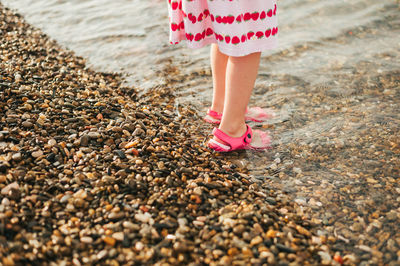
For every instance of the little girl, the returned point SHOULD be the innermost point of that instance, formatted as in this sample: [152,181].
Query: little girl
[238,31]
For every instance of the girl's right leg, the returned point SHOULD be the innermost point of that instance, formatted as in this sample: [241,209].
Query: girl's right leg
[241,74]
[219,62]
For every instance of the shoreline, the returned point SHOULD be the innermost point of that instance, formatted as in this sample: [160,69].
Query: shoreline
[91,173]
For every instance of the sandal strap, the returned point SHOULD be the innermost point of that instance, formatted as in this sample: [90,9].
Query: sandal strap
[256,114]
[235,143]
[214,114]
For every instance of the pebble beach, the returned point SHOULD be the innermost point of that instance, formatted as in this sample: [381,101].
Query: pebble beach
[92,172]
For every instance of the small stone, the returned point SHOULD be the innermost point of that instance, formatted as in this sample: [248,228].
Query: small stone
[225,260]
[316,240]
[247,252]
[14,194]
[364,248]
[197,191]
[143,217]
[233,252]
[87,240]
[119,236]
[391,216]
[37,154]
[132,151]
[94,135]
[51,157]
[266,254]
[7,189]
[138,132]
[349,258]
[325,257]
[338,259]
[303,231]
[102,254]
[109,240]
[120,154]
[284,248]
[64,199]
[239,229]
[130,144]
[283,211]
[198,223]
[81,194]
[52,142]
[108,179]
[271,233]
[27,107]
[17,77]
[68,172]
[255,241]
[139,246]
[17,156]
[116,215]
[271,200]
[27,124]
[300,201]
[84,140]
[131,226]
[79,203]
[5,202]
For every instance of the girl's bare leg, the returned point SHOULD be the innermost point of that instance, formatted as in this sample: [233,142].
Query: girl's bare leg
[218,66]
[241,74]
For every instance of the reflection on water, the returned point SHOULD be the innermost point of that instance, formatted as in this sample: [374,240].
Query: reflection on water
[334,82]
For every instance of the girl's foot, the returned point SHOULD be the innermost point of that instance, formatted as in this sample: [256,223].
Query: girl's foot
[250,140]
[255,114]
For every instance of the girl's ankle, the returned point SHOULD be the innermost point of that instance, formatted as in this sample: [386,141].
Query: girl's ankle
[217,108]
[234,131]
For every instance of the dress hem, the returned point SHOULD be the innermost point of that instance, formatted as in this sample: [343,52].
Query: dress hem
[246,50]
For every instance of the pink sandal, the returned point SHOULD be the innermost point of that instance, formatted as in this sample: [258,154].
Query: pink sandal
[255,114]
[240,143]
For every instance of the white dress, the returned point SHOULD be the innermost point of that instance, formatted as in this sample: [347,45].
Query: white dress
[239,27]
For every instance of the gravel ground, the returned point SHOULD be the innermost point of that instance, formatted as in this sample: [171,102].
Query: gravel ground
[91,173]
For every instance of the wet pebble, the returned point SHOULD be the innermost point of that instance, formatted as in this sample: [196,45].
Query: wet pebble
[84,140]
[8,189]
[93,135]
[27,124]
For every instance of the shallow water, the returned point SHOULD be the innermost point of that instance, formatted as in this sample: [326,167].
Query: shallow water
[132,36]
[334,82]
